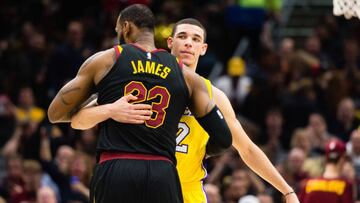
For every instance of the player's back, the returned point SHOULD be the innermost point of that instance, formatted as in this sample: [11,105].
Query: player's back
[155,78]
[327,190]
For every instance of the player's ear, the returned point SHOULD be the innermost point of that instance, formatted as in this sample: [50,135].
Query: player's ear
[170,41]
[203,49]
[126,28]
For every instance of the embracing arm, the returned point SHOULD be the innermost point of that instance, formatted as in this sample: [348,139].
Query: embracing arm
[90,115]
[121,110]
[208,115]
[249,152]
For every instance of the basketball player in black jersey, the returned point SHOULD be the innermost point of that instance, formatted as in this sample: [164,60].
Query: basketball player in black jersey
[137,162]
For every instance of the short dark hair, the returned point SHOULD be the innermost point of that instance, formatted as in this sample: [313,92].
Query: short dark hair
[140,15]
[191,21]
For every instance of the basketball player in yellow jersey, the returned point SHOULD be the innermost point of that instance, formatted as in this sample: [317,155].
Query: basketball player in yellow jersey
[187,42]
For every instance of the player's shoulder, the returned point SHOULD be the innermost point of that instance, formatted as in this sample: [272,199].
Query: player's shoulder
[190,74]
[101,62]
[102,56]
[192,79]
[218,93]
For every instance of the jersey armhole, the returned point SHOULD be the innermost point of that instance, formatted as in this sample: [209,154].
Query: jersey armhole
[209,87]
[118,50]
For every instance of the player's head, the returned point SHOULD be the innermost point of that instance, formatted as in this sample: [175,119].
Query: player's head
[187,41]
[334,149]
[134,20]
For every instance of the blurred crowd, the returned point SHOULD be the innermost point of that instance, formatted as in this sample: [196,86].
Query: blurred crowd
[290,94]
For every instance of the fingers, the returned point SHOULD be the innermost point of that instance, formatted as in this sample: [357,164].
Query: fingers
[130,97]
[142,113]
[146,113]
[142,107]
[138,119]
[134,116]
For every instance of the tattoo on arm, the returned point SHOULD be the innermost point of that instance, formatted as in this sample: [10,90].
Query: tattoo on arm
[63,93]
[88,61]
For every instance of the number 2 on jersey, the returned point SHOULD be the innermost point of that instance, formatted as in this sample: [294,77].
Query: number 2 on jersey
[183,131]
[144,95]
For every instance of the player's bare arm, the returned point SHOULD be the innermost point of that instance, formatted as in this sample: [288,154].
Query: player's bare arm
[207,113]
[201,102]
[75,92]
[121,110]
[249,152]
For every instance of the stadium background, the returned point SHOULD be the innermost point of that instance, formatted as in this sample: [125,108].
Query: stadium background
[290,68]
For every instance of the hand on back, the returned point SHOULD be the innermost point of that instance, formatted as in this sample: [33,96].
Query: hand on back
[124,111]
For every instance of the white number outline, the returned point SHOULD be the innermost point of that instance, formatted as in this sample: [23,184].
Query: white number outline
[183,132]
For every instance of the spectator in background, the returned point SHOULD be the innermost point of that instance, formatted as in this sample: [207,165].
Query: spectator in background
[243,182]
[7,119]
[319,134]
[32,182]
[266,88]
[351,54]
[235,84]
[23,141]
[239,186]
[68,170]
[313,48]
[265,198]
[27,111]
[212,193]
[13,180]
[46,195]
[292,168]
[345,121]
[301,139]
[353,150]
[64,157]
[334,88]
[249,199]
[287,47]
[87,140]
[68,56]
[286,50]
[80,171]
[273,147]
[331,187]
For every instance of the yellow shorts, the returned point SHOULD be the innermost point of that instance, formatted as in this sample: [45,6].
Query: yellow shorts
[193,192]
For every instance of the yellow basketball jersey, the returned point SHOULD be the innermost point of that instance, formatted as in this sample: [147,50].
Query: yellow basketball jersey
[191,148]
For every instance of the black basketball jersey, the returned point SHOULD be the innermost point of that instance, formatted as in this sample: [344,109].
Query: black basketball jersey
[155,78]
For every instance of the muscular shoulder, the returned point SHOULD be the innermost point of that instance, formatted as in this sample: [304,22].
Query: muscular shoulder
[99,64]
[191,78]
[223,102]
[218,93]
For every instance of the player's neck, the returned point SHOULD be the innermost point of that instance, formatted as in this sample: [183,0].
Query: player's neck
[332,171]
[145,40]
[192,66]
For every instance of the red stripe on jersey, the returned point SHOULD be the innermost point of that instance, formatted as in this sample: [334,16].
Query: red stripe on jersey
[117,51]
[180,63]
[107,156]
